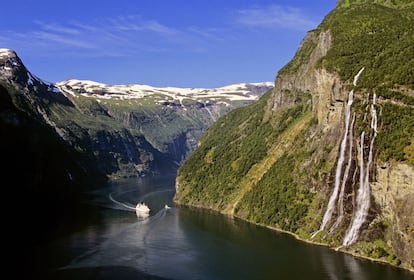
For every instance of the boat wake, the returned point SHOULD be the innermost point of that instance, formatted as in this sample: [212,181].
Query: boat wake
[123,205]
[128,240]
[118,204]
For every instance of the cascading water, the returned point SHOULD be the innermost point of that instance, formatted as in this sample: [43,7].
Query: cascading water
[334,196]
[332,200]
[363,195]
[354,82]
[345,178]
[209,112]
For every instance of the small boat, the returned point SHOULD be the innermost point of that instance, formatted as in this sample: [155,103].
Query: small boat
[167,207]
[142,208]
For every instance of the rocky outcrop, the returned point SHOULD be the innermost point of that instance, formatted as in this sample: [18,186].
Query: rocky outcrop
[328,91]
[393,192]
[301,78]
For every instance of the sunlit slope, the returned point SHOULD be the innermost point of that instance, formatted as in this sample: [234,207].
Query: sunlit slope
[327,154]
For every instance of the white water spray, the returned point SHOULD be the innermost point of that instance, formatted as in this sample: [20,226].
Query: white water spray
[358,218]
[334,196]
[357,76]
[363,195]
[126,205]
[209,112]
[345,177]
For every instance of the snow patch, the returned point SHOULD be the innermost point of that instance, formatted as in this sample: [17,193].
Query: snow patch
[235,92]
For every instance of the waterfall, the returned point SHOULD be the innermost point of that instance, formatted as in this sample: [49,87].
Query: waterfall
[363,195]
[334,196]
[209,112]
[359,217]
[357,76]
[345,178]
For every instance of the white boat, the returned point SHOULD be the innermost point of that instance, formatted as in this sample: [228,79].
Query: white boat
[167,207]
[142,208]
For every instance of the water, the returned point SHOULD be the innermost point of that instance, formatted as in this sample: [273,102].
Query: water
[181,243]
[333,200]
[345,177]
[363,196]
[334,196]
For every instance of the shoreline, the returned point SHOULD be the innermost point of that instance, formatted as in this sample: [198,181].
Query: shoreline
[338,249]
[297,237]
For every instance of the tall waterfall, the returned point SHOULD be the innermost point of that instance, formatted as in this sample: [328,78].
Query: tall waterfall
[334,196]
[345,177]
[363,195]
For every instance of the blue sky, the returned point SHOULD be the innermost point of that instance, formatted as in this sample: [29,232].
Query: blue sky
[185,43]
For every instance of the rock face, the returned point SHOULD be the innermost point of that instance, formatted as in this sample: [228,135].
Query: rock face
[122,130]
[326,155]
[328,92]
[393,192]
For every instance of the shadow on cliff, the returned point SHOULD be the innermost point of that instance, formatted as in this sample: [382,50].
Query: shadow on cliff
[42,184]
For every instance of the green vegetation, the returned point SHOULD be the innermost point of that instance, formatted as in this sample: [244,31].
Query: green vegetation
[373,36]
[229,148]
[389,3]
[379,250]
[378,37]
[229,151]
[394,95]
[278,199]
[276,168]
[396,133]
[302,55]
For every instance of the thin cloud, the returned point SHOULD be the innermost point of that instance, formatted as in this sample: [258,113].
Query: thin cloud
[120,36]
[274,16]
[136,23]
[60,39]
[214,34]
[57,28]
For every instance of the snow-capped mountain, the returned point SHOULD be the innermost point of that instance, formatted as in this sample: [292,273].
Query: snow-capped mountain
[234,92]
[123,130]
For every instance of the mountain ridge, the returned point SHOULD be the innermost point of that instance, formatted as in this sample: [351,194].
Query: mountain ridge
[111,127]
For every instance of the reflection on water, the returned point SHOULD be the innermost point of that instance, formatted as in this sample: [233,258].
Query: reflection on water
[193,244]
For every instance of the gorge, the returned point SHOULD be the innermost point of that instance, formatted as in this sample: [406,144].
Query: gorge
[325,153]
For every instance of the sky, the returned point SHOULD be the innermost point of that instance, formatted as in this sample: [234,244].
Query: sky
[183,43]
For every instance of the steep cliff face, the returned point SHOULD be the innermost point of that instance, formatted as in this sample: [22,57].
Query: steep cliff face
[321,155]
[393,192]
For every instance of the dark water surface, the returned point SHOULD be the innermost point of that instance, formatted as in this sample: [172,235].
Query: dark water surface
[179,243]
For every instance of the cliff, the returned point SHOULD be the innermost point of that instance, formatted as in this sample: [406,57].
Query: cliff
[327,155]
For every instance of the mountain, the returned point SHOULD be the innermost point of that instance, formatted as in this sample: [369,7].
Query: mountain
[41,180]
[122,130]
[60,141]
[327,155]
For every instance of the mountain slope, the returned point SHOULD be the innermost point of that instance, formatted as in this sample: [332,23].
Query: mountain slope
[327,155]
[122,130]
[40,177]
